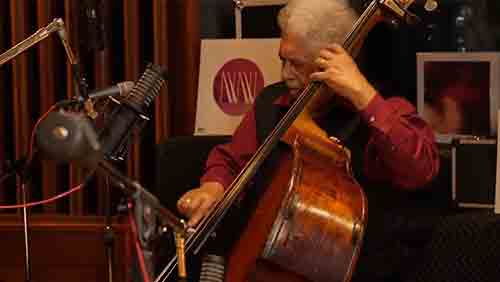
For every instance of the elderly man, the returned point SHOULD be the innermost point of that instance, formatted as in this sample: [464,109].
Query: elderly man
[393,149]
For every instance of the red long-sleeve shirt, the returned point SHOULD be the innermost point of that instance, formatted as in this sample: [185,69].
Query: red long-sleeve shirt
[400,149]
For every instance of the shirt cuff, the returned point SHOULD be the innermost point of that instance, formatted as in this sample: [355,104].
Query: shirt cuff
[378,114]
[219,177]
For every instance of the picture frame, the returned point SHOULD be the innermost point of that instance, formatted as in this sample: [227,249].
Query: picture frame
[232,73]
[457,93]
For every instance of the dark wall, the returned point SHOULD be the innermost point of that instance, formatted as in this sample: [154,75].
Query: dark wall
[218,20]
[391,52]
[493,8]
[462,25]
[481,29]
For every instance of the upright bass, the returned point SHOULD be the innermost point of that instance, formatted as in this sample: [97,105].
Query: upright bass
[303,228]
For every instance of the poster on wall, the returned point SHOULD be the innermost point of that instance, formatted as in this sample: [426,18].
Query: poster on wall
[232,74]
[458,93]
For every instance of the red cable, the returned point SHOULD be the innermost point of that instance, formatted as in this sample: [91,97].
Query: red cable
[138,249]
[32,204]
[33,132]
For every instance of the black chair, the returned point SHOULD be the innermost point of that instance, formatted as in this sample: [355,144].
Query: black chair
[180,163]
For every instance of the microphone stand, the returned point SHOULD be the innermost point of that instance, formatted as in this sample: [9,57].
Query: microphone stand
[57,25]
[27,249]
[109,233]
[21,170]
[134,189]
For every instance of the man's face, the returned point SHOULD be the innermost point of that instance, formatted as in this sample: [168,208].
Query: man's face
[297,62]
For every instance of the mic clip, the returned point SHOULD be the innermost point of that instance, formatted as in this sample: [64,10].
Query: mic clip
[88,106]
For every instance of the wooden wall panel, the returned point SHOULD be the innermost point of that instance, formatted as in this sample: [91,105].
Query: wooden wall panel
[21,92]
[4,25]
[102,79]
[192,41]
[185,25]
[132,52]
[76,174]
[161,42]
[140,32]
[47,93]
[64,249]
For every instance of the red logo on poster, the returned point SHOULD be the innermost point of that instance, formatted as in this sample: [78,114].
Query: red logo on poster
[236,85]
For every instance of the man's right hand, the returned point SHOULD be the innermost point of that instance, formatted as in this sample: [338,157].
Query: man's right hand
[196,203]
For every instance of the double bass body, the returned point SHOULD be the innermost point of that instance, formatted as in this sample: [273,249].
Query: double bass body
[309,223]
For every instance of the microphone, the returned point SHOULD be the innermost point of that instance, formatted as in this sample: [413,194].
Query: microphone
[68,136]
[131,112]
[120,89]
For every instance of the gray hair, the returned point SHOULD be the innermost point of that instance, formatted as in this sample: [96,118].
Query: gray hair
[320,21]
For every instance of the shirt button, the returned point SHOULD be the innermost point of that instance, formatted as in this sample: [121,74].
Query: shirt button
[372,119]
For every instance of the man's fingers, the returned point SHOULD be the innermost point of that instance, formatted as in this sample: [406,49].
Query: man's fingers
[188,204]
[199,213]
[319,76]
[195,204]
[326,54]
[322,63]
[335,48]
[183,202]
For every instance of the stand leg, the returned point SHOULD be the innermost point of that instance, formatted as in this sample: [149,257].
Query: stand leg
[109,243]
[27,253]
[109,233]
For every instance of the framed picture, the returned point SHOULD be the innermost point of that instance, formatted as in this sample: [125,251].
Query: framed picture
[457,93]
[232,73]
